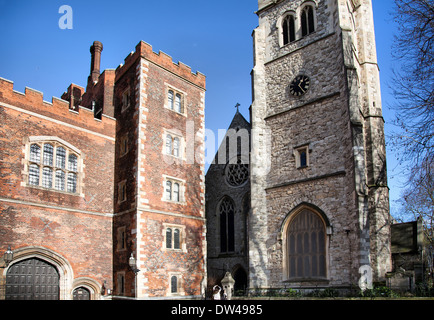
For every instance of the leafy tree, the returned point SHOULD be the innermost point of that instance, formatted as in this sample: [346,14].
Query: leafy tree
[413,86]
[413,82]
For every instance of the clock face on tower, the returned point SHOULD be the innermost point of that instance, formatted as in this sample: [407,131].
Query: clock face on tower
[299,85]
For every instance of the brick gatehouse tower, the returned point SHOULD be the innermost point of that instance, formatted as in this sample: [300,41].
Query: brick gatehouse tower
[106,175]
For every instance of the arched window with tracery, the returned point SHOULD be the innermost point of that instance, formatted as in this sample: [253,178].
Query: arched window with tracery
[227,229]
[288,29]
[306,246]
[307,20]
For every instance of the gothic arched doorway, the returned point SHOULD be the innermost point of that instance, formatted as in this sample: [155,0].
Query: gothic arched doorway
[81,294]
[32,279]
[240,286]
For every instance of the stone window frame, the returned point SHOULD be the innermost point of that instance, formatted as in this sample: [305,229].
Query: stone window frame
[303,8]
[297,15]
[121,237]
[52,164]
[280,24]
[179,284]
[228,234]
[283,240]
[181,191]
[123,145]
[120,283]
[182,237]
[298,154]
[126,99]
[237,172]
[174,134]
[171,105]
[122,191]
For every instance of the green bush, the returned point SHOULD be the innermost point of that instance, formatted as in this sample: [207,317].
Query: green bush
[379,292]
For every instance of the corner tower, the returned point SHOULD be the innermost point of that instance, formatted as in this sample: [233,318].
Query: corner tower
[320,208]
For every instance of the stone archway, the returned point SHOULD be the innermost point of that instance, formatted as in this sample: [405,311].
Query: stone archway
[40,257]
[32,279]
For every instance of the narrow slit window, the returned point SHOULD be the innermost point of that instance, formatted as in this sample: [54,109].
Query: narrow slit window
[303,158]
[174,284]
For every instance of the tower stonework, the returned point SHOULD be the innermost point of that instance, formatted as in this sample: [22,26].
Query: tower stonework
[320,208]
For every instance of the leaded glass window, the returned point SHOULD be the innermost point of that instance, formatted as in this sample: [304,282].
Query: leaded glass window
[48,154]
[35,153]
[34,175]
[178,103]
[72,182]
[53,165]
[60,157]
[306,238]
[168,190]
[170,95]
[47,177]
[176,239]
[60,180]
[169,238]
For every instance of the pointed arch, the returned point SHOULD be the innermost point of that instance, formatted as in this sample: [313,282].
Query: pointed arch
[89,284]
[308,18]
[286,25]
[66,274]
[226,213]
[305,235]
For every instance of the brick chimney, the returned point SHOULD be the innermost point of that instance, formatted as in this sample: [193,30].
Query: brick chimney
[95,63]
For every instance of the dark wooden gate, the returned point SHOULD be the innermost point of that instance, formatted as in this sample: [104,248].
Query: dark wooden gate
[32,279]
[81,294]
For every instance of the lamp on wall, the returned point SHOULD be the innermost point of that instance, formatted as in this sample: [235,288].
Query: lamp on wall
[8,256]
[132,263]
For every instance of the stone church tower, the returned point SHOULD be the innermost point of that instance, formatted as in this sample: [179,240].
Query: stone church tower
[319,209]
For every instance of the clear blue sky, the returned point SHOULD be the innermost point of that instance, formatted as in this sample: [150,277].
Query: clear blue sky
[213,37]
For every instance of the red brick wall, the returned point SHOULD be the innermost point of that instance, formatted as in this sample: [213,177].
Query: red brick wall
[75,226]
[147,74]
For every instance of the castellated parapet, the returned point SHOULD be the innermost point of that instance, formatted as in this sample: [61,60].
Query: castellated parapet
[32,102]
